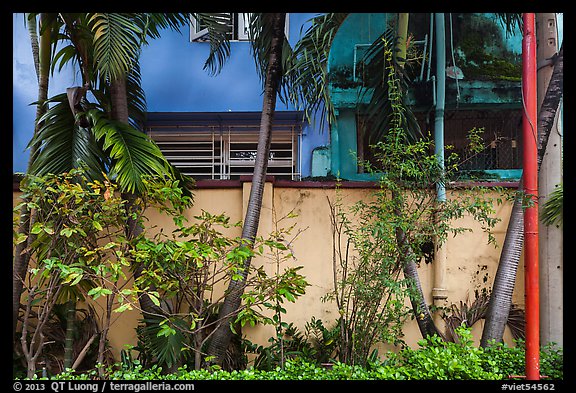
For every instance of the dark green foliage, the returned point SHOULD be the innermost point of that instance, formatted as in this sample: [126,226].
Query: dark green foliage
[553,208]
[435,359]
[163,342]
[317,345]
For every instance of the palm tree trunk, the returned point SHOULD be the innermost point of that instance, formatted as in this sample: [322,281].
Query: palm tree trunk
[410,270]
[41,54]
[223,334]
[501,298]
[134,228]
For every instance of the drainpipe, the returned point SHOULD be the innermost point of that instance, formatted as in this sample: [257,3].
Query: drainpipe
[439,288]
[530,181]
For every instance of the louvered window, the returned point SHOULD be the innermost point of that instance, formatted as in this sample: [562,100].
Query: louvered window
[208,146]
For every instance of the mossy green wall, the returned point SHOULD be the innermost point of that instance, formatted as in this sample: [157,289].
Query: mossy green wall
[470,39]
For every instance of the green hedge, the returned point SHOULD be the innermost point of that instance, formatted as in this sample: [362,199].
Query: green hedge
[433,360]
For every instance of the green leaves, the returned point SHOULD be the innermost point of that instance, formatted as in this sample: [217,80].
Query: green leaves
[553,207]
[64,144]
[307,70]
[95,293]
[117,42]
[218,28]
[133,153]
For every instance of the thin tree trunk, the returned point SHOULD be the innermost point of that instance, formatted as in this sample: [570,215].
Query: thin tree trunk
[41,54]
[503,287]
[70,327]
[83,352]
[223,334]
[104,334]
[410,269]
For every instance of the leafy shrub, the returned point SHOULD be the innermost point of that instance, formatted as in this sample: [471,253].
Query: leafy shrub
[435,359]
[510,361]
[438,359]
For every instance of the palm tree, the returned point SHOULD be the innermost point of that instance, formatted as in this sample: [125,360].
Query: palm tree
[501,297]
[101,137]
[41,55]
[270,29]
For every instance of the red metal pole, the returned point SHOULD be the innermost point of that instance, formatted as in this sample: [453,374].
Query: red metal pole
[530,181]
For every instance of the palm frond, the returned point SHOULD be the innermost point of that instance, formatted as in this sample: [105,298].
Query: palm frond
[378,110]
[117,42]
[75,32]
[218,28]
[64,144]
[132,152]
[260,34]
[136,96]
[151,23]
[307,70]
[512,22]
[553,209]
[168,349]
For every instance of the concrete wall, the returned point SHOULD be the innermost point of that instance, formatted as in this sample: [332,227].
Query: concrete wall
[471,261]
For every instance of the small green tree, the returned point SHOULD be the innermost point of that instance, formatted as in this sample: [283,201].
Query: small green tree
[80,253]
[78,250]
[190,267]
[391,232]
[368,289]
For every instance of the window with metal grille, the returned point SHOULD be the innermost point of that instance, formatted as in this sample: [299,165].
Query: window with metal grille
[502,130]
[224,145]
[501,137]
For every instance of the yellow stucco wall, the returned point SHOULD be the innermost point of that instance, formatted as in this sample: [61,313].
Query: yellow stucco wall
[470,261]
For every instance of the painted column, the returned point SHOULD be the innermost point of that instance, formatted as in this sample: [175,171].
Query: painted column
[550,175]
[530,183]
[439,292]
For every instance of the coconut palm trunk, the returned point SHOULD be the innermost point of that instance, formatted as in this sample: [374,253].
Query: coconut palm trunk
[503,287]
[41,55]
[119,112]
[223,334]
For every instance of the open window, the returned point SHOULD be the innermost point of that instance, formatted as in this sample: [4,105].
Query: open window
[237,25]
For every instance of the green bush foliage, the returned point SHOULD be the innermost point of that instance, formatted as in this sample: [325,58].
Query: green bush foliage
[433,360]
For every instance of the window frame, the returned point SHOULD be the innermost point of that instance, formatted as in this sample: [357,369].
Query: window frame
[212,147]
[239,28]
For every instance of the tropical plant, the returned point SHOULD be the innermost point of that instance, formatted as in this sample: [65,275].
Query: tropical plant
[101,137]
[552,210]
[393,230]
[77,251]
[505,279]
[367,289]
[270,34]
[82,339]
[188,268]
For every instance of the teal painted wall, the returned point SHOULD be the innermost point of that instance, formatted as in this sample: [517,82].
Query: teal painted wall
[470,39]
